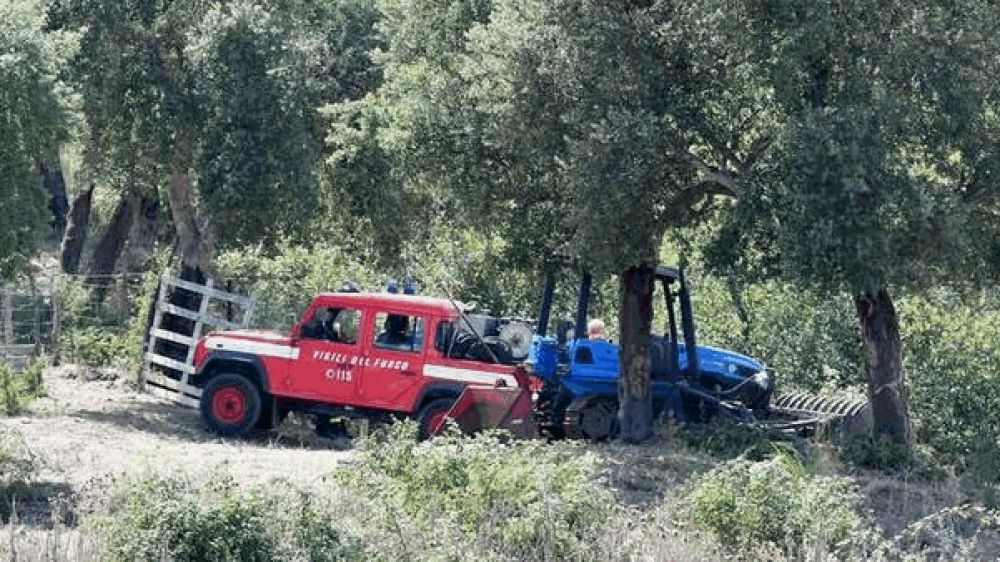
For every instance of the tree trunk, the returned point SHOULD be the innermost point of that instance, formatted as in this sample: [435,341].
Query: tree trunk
[736,293]
[56,184]
[195,248]
[635,319]
[883,356]
[193,242]
[109,248]
[76,231]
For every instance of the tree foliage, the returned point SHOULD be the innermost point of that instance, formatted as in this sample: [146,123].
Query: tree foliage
[224,93]
[873,168]
[35,116]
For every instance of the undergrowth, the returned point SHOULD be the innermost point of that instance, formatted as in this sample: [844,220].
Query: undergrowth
[501,499]
[744,504]
[175,519]
[18,390]
[17,469]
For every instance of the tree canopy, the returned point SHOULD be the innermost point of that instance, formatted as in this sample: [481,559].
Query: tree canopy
[36,115]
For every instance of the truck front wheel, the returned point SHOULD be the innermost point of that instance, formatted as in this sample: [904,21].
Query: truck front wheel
[431,419]
[230,405]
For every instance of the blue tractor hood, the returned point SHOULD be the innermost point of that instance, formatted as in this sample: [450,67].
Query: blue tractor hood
[598,359]
[724,362]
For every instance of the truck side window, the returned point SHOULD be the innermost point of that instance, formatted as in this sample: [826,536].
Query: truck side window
[339,325]
[399,332]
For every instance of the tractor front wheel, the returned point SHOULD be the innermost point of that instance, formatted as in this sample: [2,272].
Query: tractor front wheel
[230,405]
[431,418]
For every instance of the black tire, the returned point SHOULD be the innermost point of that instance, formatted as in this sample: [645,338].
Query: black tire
[230,405]
[599,420]
[432,410]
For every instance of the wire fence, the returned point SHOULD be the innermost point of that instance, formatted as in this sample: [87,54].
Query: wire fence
[46,313]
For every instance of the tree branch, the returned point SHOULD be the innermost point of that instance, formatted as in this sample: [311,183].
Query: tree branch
[719,178]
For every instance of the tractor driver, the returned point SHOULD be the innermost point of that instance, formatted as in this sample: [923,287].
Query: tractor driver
[595,330]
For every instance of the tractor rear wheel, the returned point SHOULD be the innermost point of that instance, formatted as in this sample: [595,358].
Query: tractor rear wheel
[431,418]
[592,418]
[230,405]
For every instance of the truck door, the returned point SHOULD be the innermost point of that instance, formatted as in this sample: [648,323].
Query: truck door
[330,356]
[395,356]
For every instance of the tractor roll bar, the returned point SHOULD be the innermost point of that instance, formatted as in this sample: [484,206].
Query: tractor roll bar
[580,332]
[548,289]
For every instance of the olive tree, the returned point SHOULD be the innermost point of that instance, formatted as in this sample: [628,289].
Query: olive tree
[36,113]
[880,164]
[579,130]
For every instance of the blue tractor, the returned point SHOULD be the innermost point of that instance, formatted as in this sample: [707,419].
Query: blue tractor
[691,383]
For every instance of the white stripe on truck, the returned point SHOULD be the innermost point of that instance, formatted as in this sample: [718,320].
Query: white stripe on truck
[254,347]
[466,375]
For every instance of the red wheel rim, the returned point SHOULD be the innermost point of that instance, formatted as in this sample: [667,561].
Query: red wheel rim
[435,422]
[229,403]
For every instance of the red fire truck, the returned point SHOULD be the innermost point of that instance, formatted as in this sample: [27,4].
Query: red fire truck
[379,356]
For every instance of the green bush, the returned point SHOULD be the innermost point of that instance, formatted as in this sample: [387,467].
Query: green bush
[811,342]
[509,500]
[97,347]
[17,390]
[17,469]
[171,518]
[983,468]
[746,504]
[284,283]
[952,362]
[306,528]
[877,453]
[729,441]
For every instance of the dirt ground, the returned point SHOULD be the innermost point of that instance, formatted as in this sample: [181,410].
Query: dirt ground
[88,433]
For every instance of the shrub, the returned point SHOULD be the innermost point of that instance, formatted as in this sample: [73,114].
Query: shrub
[506,499]
[745,504]
[459,262]
[170,518]
[285,282]
[811,342]
[952,361]
[304,525]
[17,390]
[17,469]
[731,440]
[877,453]
[983,467]
[97,347]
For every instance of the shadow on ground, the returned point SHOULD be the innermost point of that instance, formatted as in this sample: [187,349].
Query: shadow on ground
[43,505]
[179,423]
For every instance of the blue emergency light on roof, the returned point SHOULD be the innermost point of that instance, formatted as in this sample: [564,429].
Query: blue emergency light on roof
[410,288]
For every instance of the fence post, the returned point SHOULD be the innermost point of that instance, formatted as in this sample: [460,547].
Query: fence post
[8,316]
[121,296]
[56,323]
[36,319]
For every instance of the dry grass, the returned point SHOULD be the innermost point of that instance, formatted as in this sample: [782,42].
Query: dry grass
[28,544]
